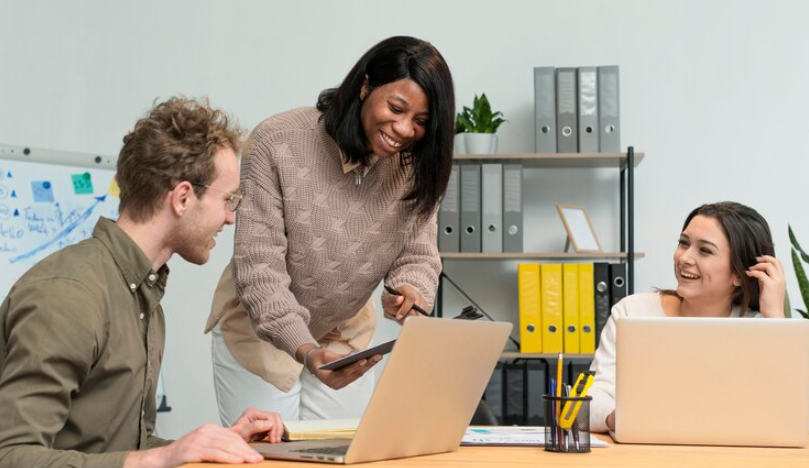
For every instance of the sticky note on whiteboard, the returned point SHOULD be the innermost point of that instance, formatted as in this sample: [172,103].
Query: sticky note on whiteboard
[114,190]
[42,191]
[82,183]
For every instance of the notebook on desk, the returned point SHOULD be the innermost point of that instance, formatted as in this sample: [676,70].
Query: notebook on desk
[424,400]
[706,381]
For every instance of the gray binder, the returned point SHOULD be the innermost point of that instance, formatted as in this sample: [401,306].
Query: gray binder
[567,139]
[609,109]
[449,216]
[492,204]
[470,208]
[512,208]
[588,109]
[545,109]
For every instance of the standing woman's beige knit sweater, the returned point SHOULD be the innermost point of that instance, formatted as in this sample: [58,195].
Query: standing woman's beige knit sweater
[314,241]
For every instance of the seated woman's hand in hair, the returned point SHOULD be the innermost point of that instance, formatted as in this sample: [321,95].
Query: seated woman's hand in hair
[772,285]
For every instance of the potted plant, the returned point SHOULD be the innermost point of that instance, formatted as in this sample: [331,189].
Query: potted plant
[478,125]
[803,282]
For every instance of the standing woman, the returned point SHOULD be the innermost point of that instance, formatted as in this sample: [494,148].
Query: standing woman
[725,266]
[337,199]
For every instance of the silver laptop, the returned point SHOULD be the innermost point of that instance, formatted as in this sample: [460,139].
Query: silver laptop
[712,381]
[425,398]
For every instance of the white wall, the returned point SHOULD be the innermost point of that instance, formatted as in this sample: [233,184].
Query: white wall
[714,92]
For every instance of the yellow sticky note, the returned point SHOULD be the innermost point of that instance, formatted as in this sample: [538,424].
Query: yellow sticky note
[114,190]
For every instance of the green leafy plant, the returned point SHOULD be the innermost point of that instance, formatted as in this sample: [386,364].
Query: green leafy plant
[478,119]
[803,282]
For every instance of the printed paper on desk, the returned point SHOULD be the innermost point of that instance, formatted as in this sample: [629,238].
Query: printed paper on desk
[513,435]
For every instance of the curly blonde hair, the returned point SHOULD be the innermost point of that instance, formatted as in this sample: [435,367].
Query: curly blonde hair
[176,141]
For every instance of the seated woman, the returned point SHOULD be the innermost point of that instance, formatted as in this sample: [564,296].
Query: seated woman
[725,267]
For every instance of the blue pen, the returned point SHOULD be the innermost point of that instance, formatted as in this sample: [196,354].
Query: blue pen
[552,422]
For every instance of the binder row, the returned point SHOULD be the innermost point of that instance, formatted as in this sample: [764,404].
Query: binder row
[577,110]
[565,306]
[482,209]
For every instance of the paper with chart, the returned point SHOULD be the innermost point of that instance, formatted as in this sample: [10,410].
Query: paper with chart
[512,435]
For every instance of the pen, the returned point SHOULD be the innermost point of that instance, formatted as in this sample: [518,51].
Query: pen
[416,307]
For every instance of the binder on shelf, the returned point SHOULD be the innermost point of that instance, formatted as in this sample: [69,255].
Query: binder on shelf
[550,291]
[609,121]
[536,385]
[567,139]
[570,308]
[514,393]
[587,97]
[492,208]
[529,306]
[617,282]
[512,208]
[601,284]
[494,392]
[449,216]
[587,309]
[470,208]
[545,109]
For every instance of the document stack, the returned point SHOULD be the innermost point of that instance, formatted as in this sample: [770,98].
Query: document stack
[577,110]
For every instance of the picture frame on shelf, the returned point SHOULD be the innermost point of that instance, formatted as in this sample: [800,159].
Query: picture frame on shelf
[580,232]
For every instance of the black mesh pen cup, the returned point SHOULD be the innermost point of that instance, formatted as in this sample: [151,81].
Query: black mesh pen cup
[567,427]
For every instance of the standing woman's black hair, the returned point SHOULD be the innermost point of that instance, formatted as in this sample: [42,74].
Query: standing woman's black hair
[397,58]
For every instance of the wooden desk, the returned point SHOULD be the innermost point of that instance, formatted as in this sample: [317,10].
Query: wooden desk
[616,455]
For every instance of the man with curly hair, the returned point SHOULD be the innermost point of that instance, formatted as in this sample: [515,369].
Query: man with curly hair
[82,332]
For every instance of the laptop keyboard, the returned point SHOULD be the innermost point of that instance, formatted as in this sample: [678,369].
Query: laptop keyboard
[325,450]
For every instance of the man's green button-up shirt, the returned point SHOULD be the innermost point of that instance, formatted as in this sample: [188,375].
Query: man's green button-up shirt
[81,342]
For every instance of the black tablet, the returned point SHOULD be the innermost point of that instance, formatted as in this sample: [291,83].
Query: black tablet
[383,348]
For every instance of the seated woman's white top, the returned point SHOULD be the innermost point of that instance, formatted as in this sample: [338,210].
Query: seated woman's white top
[603,389]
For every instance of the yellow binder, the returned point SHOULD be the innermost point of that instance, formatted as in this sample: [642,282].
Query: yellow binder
[551,297]
[570,307]
[530,312]
[587,309]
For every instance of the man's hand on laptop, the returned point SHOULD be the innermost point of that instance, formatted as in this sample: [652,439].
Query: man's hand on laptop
[211,443]
[339,378]
[254,425]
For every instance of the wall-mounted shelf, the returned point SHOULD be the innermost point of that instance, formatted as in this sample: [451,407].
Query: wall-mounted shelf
[518,355]
[539,256]
[553,160]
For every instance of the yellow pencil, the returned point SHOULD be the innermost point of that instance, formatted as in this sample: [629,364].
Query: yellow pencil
[558,382]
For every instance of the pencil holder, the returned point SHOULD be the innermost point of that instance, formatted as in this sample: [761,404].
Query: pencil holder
[567,427]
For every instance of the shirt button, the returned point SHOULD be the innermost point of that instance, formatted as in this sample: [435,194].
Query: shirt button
[133,286]
[142,315]
[152,278]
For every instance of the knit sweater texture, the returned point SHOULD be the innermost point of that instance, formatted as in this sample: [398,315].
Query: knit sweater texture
[312,241]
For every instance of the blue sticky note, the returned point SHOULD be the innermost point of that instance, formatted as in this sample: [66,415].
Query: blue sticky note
[82,184]
[43,191]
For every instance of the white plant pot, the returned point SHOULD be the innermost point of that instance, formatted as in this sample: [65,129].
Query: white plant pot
[480,143]
[460,143]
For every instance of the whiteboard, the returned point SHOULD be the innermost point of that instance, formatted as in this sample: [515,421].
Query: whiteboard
[45,205]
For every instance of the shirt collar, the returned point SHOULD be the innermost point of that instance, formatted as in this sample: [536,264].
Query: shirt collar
[350,166]
[134,265]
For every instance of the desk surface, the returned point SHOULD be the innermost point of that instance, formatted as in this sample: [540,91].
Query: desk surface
[616,455]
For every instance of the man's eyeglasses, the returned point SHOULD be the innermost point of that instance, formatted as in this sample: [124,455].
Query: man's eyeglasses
[233,200]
